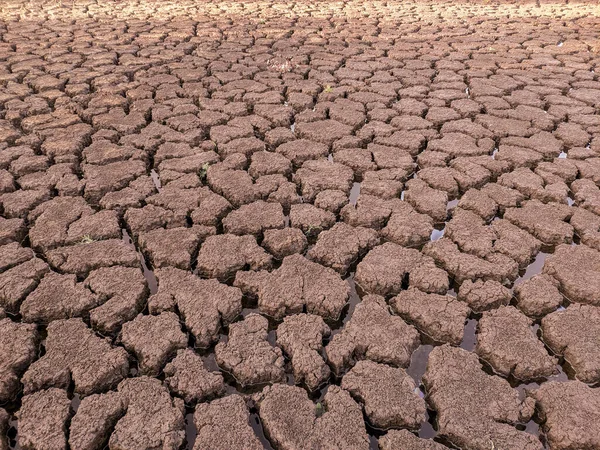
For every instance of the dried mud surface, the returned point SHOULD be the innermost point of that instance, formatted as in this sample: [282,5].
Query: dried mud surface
[299,225]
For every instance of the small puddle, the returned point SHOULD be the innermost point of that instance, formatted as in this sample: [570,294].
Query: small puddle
[155,180]
[354,194]
[210,363]
[330,157]
[562,155]
[190,431]
[402,195]
[13,434]
[534,268]
[437,234]
[272,338]
[560,377]
[418,362]
[373,443]
[427,431]
[293,127]
[75,402]
[532,428]
[451,204]
[256,425]
[494,153]
[470,337]
[353,299]
[148,274]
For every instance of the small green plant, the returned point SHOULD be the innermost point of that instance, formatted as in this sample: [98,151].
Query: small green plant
[328,89]
[319,409]
[204,171]
[312,231]
[87,239]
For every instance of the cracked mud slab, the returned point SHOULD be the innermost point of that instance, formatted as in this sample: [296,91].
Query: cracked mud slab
[257,225]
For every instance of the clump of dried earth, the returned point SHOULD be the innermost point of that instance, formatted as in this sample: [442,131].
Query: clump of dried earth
[299,225]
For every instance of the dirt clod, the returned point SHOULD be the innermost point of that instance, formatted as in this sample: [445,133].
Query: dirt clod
[247,354]
[388,394]
[474,408]
[372,333]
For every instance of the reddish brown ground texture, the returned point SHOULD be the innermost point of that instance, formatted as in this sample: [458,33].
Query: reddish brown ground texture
[308,225]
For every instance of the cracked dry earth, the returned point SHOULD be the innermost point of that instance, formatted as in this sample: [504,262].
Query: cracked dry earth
[310,225]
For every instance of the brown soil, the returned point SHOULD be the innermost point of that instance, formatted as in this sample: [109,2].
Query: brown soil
[304,225]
